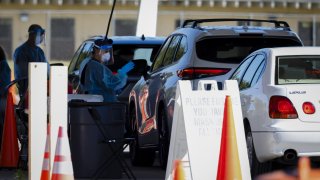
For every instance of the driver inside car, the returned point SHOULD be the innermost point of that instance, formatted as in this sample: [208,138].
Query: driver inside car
[97,78]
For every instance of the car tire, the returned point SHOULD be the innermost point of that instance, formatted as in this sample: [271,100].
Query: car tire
[138,156]
[255,166]
[164,141]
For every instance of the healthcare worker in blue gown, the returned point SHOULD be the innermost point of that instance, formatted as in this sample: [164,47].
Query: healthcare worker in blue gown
[26,53]
[5,72]
[97,78]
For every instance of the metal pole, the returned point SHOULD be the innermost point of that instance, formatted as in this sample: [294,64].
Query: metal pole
[110,17]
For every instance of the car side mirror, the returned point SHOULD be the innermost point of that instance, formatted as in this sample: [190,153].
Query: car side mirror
[140,66]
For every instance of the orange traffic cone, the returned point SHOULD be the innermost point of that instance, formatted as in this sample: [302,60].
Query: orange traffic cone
[46,159]
[229,164]
[62,166]
[9,155]
[178,173]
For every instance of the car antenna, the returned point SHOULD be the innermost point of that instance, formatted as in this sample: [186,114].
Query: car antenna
[143,37]
[110,17]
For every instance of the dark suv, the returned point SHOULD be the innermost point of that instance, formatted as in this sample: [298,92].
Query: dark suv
[125,48]
[192,52]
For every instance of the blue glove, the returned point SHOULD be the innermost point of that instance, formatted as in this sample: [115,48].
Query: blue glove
[126,68]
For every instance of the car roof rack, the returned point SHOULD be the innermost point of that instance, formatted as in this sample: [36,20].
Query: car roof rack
[193,23]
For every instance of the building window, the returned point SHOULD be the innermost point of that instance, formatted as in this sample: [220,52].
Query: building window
[125,27]
[178,23]
[305,32]
[317,38]
[62,38]
[6,36]
[250,23]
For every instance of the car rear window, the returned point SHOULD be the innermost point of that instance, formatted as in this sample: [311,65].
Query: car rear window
[124,53]
[298,70]
[235,49]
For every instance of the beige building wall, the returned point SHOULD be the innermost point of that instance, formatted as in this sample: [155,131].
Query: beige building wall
[92,20]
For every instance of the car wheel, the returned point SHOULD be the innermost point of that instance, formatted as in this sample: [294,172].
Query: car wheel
[138,156]
[255,166]
[164,141]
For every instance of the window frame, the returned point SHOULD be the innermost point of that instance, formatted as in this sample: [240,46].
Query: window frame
[162,52]
[256,69]
[74,59]
[179,45]
[175,48]
[243,63]
[88,46]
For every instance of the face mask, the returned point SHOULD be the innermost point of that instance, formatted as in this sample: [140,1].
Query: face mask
[106,57]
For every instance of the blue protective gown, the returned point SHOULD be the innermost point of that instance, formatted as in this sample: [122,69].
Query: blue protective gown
[5,75]
[22,56]
[100,80]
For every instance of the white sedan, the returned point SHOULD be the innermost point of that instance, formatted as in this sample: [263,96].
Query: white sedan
[280,99]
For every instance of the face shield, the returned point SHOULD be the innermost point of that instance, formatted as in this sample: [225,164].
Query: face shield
[40,37]
[105,52]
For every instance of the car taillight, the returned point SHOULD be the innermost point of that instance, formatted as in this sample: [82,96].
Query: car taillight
[193,73]
[280,107]
[70,88]
[308,108]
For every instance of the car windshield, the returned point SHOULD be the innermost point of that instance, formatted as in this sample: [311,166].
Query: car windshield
[298,70]
[235,49]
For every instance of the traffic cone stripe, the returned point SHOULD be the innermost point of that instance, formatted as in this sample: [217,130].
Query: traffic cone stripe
[46,155]
[45,164]
[62,168]
[60,158]
[60,134]
[60,155]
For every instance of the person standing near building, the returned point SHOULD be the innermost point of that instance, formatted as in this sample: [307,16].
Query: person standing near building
[26,53]
[97,78]
[5,72]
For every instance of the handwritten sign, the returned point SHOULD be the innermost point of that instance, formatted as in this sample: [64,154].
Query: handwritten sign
[197,130]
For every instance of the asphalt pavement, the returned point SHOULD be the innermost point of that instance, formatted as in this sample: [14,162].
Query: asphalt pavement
[154,172]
